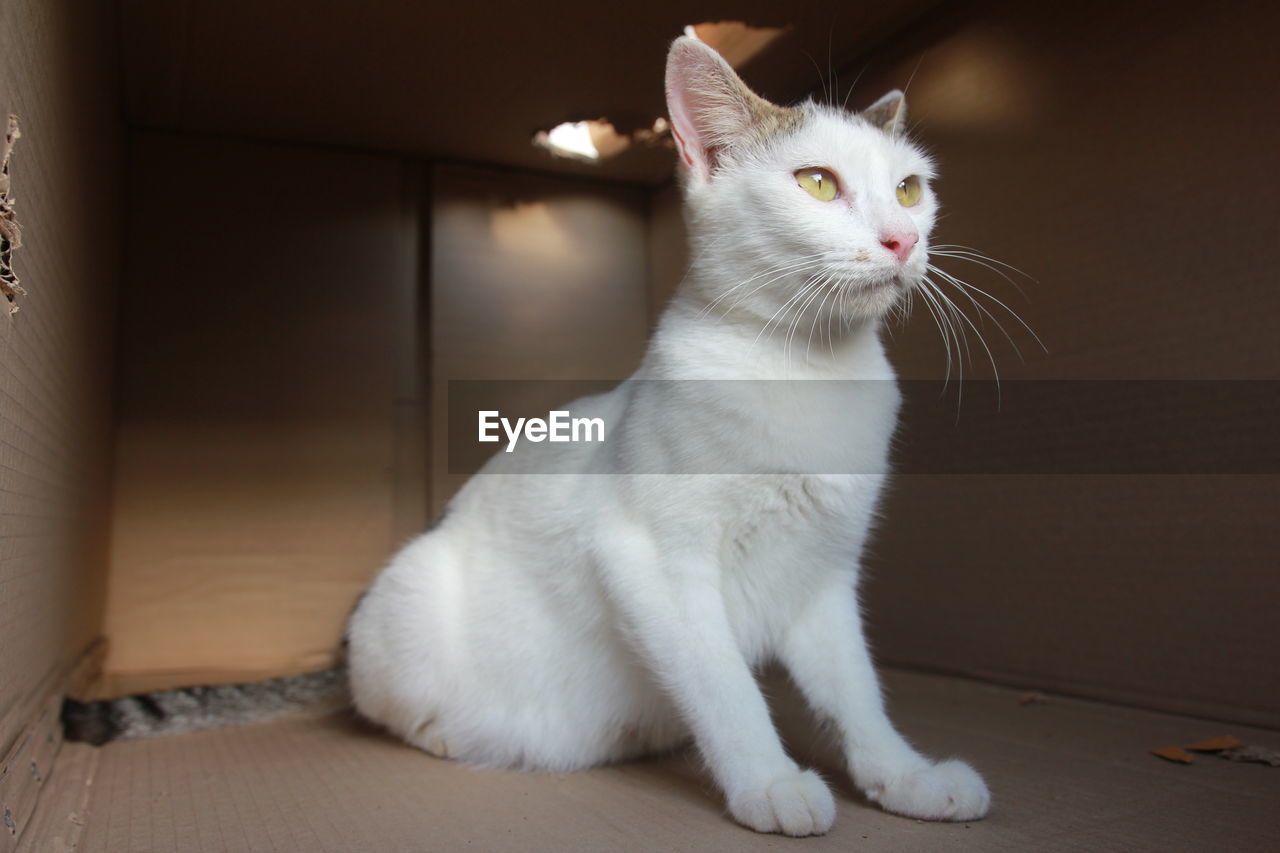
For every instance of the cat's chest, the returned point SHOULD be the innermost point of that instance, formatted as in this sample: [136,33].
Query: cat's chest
[784,526]
[766,505]
[792,535]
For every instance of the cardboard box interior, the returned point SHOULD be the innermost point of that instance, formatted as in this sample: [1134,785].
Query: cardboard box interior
[221,408]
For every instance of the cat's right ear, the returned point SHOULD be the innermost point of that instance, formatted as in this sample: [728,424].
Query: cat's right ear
[711,108]
[889,113]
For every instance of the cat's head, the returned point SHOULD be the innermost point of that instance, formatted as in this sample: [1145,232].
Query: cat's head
[788,198]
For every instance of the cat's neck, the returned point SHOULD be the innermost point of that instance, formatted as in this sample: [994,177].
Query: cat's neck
[697,338]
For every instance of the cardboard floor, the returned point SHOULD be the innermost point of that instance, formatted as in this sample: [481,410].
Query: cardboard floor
[1066,775]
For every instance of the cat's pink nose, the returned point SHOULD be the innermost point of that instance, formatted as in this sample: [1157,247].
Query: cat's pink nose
[900,243]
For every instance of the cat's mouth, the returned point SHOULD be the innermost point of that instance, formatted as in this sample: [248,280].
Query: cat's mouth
[898,282]
[880,281]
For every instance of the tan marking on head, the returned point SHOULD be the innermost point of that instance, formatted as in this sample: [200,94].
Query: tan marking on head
[772,120]
[862,255]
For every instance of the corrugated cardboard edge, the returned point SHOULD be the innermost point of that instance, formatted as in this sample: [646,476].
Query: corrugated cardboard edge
[62,812]
[39,790]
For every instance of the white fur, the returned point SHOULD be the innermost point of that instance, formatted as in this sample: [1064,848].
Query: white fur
[559,621]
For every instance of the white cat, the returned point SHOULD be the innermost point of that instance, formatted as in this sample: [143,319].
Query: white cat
[560,621]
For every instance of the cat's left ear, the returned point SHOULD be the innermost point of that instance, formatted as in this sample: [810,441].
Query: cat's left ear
[889,113]
[711,109]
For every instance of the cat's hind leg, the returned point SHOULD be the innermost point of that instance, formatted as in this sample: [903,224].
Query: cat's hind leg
[466,654]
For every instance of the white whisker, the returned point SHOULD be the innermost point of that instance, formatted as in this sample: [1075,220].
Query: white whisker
[793,321]
[981,340]
[933,308]
[828,292]
[779,272]
[1014,314]
[963,288]
[785,307]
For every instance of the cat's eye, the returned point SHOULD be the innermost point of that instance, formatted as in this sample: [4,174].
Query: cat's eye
[909,191]
[819,183]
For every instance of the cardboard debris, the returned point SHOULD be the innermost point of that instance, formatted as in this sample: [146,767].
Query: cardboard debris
[1252,754]
[1174,753]
[1224,746]
[1215,744]
[10,230]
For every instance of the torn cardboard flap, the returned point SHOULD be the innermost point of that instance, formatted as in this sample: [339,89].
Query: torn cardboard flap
[11,135]
[10,230]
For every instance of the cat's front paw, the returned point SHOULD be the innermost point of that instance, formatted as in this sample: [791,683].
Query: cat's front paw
[948,790]
[796,803]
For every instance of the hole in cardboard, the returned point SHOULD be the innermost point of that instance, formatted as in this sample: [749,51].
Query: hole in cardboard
[737,42]
[10,231]
[596,139]
[593,140]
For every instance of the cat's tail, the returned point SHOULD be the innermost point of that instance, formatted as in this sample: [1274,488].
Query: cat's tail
[192,708]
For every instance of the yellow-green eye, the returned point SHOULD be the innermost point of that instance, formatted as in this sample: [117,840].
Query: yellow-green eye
[818,183]
[909,191]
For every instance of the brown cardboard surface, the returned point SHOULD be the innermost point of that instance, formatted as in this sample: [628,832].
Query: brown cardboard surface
[27,768]
[1066,775]
[59,820]
[1104,160]
[271,400]
[1066,149]
[532,277]
[1151,590]
[56,76]
[668,255]
[266,404]
[431,80]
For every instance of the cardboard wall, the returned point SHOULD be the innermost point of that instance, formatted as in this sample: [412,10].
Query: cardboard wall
[272,448]
[668,251]
[1123,159]
[57,75]
[266,440]
[532,278]
[284,309]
